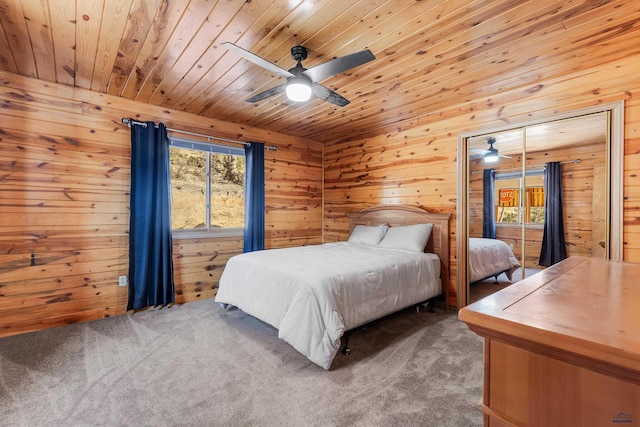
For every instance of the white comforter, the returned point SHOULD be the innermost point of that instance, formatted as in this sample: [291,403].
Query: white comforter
[489,257]
[313,294]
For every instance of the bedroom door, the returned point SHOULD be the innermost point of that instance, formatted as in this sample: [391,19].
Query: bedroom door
[588,145]
[599,217]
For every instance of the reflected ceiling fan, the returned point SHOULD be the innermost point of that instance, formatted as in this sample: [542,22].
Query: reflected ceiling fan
[303,83]
[490,155]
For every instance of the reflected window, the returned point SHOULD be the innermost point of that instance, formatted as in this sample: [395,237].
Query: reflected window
[514,208]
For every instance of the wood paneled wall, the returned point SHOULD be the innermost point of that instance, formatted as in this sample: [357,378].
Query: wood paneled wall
[416,163]
[64,170]
[64,203]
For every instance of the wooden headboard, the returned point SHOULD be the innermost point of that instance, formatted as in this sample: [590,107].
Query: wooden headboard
[395,215]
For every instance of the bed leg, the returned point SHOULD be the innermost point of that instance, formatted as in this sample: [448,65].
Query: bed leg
[429,305]
[345,346]
[496,278]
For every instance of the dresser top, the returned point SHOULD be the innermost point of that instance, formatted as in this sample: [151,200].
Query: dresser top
[587,307]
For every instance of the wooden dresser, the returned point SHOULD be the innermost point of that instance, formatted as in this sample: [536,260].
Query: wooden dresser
[562,348]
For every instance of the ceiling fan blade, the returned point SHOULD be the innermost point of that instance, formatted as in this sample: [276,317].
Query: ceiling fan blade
[328,95]
[249,56]
[338,65]
[267,93]
[479,150]
[480,153]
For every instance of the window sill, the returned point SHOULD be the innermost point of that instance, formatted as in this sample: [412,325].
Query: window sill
[210,234]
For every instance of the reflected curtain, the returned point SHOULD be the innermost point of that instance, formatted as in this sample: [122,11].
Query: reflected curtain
[150,250]
[553,241]
[488,204]
[254,197]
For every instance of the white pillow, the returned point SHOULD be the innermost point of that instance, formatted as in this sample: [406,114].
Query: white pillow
[368,234]
[407,237]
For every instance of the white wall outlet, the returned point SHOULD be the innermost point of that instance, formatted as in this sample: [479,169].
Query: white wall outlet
[511,246]
[122,281]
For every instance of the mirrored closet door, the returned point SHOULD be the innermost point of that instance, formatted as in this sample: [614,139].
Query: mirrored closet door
[534,195]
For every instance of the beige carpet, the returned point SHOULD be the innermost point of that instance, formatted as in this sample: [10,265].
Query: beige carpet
[197,365]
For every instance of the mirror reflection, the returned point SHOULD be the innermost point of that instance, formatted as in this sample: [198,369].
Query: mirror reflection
[536,195]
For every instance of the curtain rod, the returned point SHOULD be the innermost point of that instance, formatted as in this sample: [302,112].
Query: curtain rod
[529,167]
[129,122]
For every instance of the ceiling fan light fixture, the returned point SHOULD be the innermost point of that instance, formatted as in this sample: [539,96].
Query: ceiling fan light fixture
[491,156]
[298,90]
[302,83]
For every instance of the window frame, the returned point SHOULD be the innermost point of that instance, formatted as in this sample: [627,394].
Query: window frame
[521,188]
[209,148]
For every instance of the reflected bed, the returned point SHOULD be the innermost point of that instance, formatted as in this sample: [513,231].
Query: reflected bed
[490,258]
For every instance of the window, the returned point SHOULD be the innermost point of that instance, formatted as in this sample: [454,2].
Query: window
[207,186]
[510,209]
[534,205]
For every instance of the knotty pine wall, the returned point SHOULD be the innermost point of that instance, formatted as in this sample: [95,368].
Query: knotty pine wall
[64,193]
[416,164]
[64,203]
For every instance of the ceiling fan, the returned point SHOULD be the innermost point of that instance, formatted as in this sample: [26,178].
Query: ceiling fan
[490,155]
[303,83]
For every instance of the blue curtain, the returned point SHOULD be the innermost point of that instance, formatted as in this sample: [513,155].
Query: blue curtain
[488,204]
[554,248]
[254,198]
[150,251]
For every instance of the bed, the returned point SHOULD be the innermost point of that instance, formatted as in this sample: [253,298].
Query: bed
[315,294]
[490,258]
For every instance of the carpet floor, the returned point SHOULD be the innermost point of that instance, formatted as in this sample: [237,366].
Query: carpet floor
[197,365]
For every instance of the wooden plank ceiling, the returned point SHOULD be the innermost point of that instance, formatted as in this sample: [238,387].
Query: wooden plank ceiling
[431,55]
